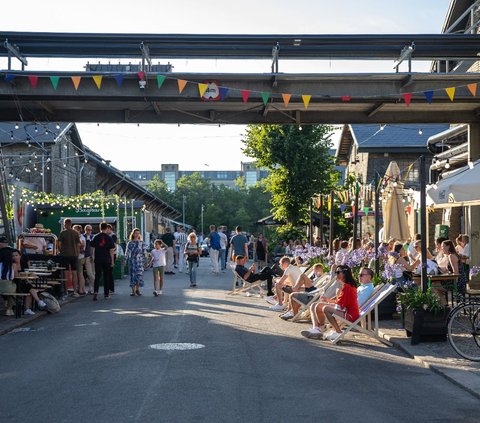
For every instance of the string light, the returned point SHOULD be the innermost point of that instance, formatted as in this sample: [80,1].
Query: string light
[57,126]
[447,164]
[382,127]
[16,126]
[420,131]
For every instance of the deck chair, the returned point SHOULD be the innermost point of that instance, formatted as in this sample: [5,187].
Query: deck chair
[241,285]
[365,314]
[323,284]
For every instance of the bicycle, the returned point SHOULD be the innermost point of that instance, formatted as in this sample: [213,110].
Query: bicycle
[464,330]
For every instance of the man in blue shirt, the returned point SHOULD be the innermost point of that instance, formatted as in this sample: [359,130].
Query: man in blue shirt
[214,249]
[239,243]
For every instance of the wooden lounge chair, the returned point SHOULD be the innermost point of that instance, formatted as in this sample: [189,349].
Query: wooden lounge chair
[241,285]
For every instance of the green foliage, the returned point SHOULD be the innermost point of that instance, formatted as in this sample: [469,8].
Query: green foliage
[415,298]
[299,162]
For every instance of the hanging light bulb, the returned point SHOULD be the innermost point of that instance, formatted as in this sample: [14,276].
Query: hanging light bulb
[36,129]
[64,165]
[46,131]
[65,146]
[16,126]
[420,131]
[11,135]
[447,164]
[382,127]
[57,126]
[471,165]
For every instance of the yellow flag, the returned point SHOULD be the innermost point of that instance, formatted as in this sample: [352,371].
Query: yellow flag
[76,81]
[473,89]
[181,85]
[450,92]
[286,99]
[202,88]
[98,80]
[306,100]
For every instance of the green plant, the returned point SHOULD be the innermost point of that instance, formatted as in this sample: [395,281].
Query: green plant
[414,298]
[378,279]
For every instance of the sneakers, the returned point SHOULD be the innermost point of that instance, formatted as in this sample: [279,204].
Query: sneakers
[76,295]
[287,316]
[155,293]
[9,312]
[160,292]
[41,304]
[277,307]
[29,312]
[333,336]
[314,333]
[271,300]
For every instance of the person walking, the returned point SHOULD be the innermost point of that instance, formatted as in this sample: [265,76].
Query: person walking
[214,249]
[69,245]
[136,254]
[169,241]
[239,243]
[79,289]
[261,251]
[181,242]
[158,263]
[223,248]
[102,249]
[192,251]
[89,265]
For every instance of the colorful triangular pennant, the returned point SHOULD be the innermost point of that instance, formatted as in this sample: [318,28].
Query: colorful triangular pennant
[286,99]
[342,207]
[181,85]
[98,80]
[160,80]
[33,81]
[141,75]
[346,98]
[245,95]
[10,77]
[429,96]
[265,96]
[223,93]
[366,210]
[450,92]
[54,80]
[408,98]
[306,100]
[76,81]
[202,88]
[473,89]
[119,79]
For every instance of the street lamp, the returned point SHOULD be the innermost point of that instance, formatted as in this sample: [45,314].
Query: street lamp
[201,219]
[183,209]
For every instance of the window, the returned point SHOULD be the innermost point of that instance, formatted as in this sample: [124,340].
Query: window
[250,178]
[170,180]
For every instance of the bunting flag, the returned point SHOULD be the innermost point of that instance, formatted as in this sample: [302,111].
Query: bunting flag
[265,97]
[202,88]
[450,92]
[366,210]
[76,81]
[408,98]
[33,81]
[98,80]
[223,93]
[354,212]
[473,89]
[245,95]
[286,99]
[119,79]
[346,98]
[429,96]
[54,80]
[181,85]
[329,202]
[343,207]
[161,80]
[409,209]
[10,77]
[141,75]
[306,100]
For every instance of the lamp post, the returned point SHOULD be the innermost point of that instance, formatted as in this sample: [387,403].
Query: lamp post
[201,219]
[183,210]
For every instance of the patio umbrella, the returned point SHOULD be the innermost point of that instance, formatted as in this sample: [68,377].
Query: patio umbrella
[394,218]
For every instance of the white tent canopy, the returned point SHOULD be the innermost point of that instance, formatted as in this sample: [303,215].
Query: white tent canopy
[461,188]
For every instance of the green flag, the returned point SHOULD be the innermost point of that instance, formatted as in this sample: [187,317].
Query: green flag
[54,80]
[160,80]
[265,97]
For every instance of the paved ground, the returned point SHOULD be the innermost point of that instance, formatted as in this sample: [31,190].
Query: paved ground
[94,362]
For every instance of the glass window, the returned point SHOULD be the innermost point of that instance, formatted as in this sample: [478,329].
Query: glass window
[169,178]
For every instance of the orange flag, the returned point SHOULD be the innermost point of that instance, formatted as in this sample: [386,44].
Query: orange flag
[450,92]
[202,88]
[306,100]
[181,85]
[286,99]
[98,80]
[473,89]
[76,81]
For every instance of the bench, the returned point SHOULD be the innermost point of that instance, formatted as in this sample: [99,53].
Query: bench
[18,297]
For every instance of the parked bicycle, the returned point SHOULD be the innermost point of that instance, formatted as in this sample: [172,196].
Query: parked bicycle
[464,330]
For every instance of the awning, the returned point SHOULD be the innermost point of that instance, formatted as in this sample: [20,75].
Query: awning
[90,220]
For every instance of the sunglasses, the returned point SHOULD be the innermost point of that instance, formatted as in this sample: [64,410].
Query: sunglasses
[363,274]
[338,272]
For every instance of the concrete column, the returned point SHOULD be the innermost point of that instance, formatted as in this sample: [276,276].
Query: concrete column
[474,213]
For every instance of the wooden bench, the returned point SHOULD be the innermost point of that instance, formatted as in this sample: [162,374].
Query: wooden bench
[18,297]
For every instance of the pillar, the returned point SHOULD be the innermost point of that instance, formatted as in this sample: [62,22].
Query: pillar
[473,228]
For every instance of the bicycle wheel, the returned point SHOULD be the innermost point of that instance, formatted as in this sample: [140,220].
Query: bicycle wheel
[464,331]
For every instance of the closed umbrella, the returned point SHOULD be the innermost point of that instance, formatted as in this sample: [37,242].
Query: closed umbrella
[394,218]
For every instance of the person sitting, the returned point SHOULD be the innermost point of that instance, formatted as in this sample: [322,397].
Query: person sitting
[402,265]
[10,268]
[249,274]
[345,305]
[454,266]
[342,253]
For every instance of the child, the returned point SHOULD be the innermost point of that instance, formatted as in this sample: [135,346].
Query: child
[158,263]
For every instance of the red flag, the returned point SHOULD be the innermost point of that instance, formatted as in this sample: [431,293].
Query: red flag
[141,75]
[408,98]
[346,98]
[33,81]
[245,95]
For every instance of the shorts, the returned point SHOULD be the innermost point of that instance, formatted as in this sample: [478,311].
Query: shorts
[304,297]
[160,270]
[312,288]
[69,262]
[81,265]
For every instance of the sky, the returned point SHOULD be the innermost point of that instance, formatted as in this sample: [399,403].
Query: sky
[200,147]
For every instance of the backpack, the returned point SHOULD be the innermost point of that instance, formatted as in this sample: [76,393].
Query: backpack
[52,304]
[215,241]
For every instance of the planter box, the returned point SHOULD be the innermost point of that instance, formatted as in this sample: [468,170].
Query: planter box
[422,325]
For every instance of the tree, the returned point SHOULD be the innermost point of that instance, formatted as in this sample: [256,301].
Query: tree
[299,162]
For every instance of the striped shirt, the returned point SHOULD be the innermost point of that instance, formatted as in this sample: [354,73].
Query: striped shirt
[182,238]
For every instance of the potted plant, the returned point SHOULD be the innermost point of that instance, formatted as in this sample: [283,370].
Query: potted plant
[423,315]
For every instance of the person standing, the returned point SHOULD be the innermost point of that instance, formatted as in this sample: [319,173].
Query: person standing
[261,251]
[102,249]
[158,264]
[68,244]
[169,241]
[192,251]
[79,290]
[239,244]
[89,265]
[136,254]
[223,248]
[214,249]
[181,240]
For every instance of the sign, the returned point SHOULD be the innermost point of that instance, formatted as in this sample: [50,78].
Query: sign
[212,93]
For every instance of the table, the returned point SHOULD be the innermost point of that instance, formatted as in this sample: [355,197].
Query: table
[441,279]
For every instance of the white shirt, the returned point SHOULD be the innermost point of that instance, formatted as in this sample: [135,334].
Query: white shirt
[341,255]
[81,255]
[38,241]
[293,272]
[159,257]
[466,250]
[223,240]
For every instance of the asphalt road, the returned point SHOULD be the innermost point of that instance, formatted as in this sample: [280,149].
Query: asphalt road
[93,363]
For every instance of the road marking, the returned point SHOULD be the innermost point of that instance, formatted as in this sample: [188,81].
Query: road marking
[86,324]
[176,346]
[19,330]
